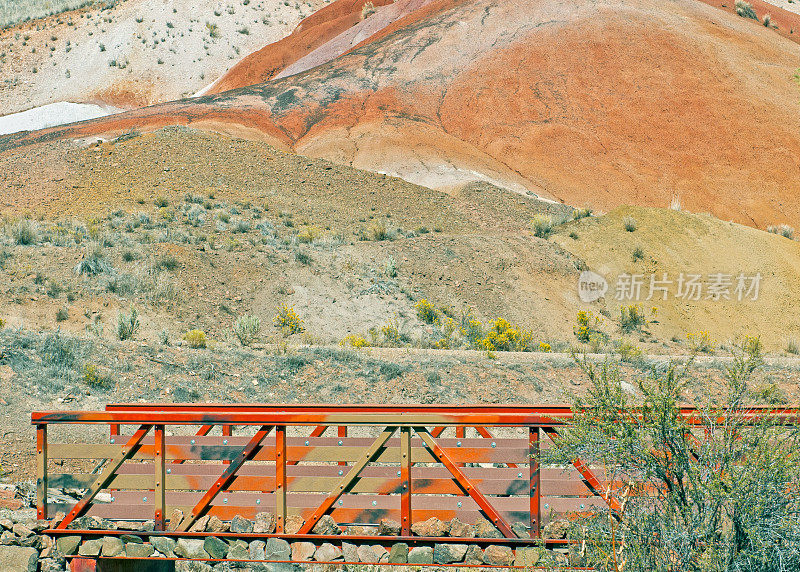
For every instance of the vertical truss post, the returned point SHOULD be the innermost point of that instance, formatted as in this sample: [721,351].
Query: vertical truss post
[535,482]
[159,461]
[280,478]
[41,472]
[405,477]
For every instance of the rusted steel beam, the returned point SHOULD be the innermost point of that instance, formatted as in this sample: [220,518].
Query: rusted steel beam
[160,489]
[405,477]
[535,483]
[127,451]
[41,472]
[589,478]
[556,414]
[347,480]
[224,479]
[465,483]
[280,478]
[82,565]
[436,431]
[371,539]
[336,417]
[322,407]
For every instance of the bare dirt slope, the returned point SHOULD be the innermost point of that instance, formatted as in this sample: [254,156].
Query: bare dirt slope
[136,52]
[602,103]
[254,227]
[672,243]
[314,32]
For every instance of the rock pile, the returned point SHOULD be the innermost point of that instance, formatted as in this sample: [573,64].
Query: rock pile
[24,549]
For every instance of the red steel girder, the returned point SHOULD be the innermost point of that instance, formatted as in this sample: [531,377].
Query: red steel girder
[332,417]
[405,477]
[535,483]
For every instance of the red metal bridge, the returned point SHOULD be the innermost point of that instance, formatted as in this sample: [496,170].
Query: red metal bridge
[358,464]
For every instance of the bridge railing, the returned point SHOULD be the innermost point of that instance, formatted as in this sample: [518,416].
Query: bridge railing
[358,464]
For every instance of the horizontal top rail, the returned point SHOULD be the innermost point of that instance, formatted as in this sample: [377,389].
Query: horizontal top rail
[341,408]
[327,415]
[332,416]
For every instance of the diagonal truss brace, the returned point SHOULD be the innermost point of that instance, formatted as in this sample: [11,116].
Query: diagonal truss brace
[589,478]
[464,483]
[128,451]
[347,481]
[224,479]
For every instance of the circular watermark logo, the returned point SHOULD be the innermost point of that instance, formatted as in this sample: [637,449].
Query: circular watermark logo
[591,286]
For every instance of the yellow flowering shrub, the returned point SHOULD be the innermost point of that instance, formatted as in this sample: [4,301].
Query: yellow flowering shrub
[196,339]
[288,321]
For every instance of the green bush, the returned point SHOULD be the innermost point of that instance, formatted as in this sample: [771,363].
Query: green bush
[629,223]
[392,334]
[94,262]
[166,262]
[578,214]
[701,342]
[717,495]
[379,231]
[587,326]
[745,10]
[631,318]
[58,351]
[628,351]
[25,232]
[390,267]
[93,378]
[505,337]
[127,324]
[247,329]
[784,230]
[542,225]
[196,339]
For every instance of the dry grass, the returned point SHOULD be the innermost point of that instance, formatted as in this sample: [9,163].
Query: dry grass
[15,11]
